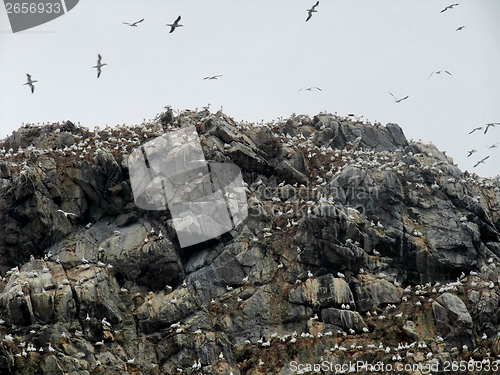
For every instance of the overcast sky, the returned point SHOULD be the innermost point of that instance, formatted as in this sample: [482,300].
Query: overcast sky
[356,51]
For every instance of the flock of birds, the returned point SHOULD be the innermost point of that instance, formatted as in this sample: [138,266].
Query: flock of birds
[99,64]
[346,340]
[494,145]
[30,82]
[328,163]
[176,24]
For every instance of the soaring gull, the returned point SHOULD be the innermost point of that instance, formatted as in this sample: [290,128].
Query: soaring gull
[439,72]
[213,77]
[481,161]
[399,100]
[310,88]
[473,130]
[30,83]
[490,124]
[99,65]
[311,11]
[174,25]
[134,24]
[66,213]
[449,7]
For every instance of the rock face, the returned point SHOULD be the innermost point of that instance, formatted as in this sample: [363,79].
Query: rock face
[359,245]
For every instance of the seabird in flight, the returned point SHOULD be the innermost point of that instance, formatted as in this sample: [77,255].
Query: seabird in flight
[494,145]
[213,77]
[174,25]
[473,130]
[66,213]
[358,118]
[399,100]
[99,65]
[460,28]
[311,11]
[481,161]
[439,72]
[310,88]
[134,24]
[449,7]
[490,124]
[471,152]
[30,83]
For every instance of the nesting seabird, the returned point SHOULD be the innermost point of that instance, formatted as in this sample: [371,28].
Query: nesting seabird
[490,124]
[460,28]
[30,83]
[481,161]
[439,72]
[471,152]
[399,100]
[310,88]
[134,24]
[99,65]
[174,25]
[213,77]
[311,11]
[449,7]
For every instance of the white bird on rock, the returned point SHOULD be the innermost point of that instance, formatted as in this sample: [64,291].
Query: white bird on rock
[105,322]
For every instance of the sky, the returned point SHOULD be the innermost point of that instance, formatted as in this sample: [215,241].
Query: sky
[356,51]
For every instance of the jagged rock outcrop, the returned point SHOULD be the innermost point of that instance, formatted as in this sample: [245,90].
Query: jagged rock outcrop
[358,245]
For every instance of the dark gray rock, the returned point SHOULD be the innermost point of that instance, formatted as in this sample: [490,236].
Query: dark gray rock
[343,318]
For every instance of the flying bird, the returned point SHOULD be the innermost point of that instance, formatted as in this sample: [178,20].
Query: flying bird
[473,130]
[30,83]
[471,152]
[439,72]
[399,100]
[213,77]
[134,24]
[310,88]
[66,213]
[460,28]
[358,118]
[490,124]
[494,145]
[449,7]
[311,11]
[99,65]
[481,161]
[174,25]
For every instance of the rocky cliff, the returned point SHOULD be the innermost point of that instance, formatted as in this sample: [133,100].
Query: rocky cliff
[359,246]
